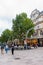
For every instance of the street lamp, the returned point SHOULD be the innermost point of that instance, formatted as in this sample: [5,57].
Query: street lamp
[28,32]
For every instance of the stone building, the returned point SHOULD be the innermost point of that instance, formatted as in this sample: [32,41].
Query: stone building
[37,18]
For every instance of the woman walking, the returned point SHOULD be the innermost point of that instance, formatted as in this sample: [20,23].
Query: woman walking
[12,49]
[2,49]
[6,48]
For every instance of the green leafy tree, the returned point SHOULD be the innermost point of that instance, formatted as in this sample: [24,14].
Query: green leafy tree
[20,26]
[6,35]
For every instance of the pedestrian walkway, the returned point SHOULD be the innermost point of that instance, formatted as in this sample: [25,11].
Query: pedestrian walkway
[23,57]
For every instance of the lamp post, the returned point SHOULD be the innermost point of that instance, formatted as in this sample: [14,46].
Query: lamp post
[28,32]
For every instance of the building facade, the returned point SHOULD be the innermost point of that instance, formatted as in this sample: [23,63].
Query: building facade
[37,18]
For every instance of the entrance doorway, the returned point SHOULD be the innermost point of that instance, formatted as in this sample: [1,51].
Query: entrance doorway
[40,42]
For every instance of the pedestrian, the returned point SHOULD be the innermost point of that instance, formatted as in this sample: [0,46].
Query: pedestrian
[6,48]
[12,49]
[2,49]
[25,44]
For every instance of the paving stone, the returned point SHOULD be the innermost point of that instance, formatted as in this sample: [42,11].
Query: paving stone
[23,57]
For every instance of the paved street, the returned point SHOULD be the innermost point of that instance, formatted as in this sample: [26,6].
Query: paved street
[23,57]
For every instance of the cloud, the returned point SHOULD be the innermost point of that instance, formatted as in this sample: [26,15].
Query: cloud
[8,8]
[12,7]
[4,24]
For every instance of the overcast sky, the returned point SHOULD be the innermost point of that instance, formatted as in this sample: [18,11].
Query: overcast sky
[9,9]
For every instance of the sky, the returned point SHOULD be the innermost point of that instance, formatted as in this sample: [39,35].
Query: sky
[9,9]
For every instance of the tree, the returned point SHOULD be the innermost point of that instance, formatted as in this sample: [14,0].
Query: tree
[6,35]
[20,26]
